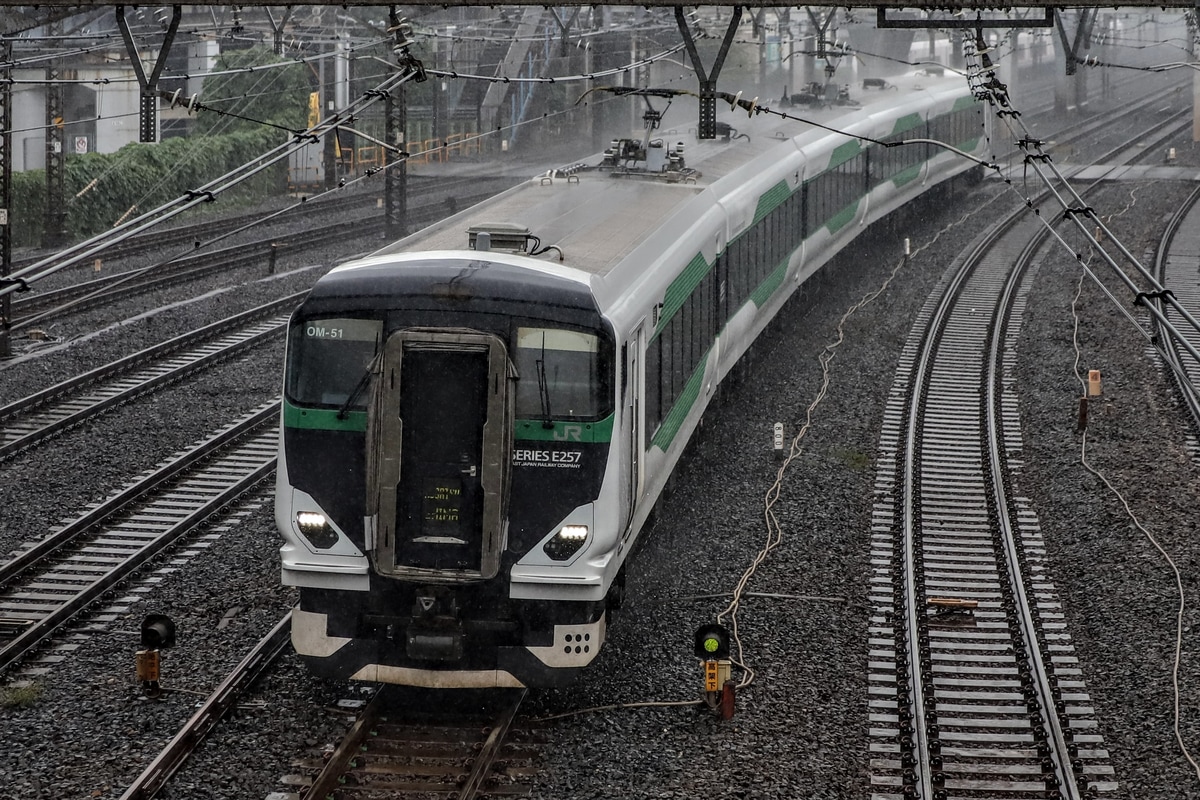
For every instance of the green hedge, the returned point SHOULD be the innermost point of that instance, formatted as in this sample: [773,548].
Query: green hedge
[143,177]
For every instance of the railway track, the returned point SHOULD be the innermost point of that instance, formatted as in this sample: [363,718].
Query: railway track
[1177,266]
[43,306]
[404,745]
[172,757]
[55,579]
[976,691]
[32,419]
[159,238]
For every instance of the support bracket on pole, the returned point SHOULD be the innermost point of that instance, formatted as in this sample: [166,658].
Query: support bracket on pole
[707,127]
[565,27]
[822,27]
[148,117]
[1083,35]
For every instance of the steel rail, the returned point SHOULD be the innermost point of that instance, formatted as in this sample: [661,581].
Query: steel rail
[211,711]
[482,765]
[922,765]
[339,761]
[36,417]
[33,626]
[1187,378]
[88,295]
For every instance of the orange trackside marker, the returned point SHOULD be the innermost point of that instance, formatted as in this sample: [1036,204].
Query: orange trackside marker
[953,603]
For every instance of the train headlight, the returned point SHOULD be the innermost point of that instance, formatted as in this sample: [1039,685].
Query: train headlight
[316,529]
[566,542]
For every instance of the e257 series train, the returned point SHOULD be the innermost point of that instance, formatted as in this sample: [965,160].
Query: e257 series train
[474,433]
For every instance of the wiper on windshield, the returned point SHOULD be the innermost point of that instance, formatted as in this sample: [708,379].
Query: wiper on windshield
[544,388]
[343,412]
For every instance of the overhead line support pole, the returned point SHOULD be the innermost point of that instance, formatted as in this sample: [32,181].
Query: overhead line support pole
[395,179]
[822,27]
[148,118]
[707,127]
[54,230]
[5,195]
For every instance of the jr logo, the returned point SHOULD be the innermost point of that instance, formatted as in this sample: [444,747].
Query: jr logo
[569,433]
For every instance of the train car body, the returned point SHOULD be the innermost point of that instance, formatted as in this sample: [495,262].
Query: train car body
[472,439]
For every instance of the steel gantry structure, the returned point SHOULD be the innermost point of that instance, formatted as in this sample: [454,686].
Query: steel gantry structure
[16,17]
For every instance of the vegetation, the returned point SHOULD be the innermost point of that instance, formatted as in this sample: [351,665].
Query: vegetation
[15,697]
[853,459]
[102,189]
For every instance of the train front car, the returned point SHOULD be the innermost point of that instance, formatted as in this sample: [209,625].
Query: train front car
[446,427]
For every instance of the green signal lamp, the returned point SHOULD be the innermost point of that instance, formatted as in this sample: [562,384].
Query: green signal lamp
[712,642]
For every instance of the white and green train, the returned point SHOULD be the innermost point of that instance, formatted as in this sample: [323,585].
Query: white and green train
[474,432]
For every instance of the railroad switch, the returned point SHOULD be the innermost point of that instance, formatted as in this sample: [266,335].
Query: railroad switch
[158,633]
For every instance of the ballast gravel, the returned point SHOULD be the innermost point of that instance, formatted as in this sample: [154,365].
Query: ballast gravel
[801,728]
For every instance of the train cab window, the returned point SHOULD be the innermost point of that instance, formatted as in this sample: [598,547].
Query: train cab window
[560,375]
[327,359]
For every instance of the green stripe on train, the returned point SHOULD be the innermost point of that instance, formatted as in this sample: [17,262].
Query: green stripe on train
[683,404]
[322,419]
[967,101]
[762,293]
[907,123]
[843,153]
[681,289]
[908,175]
[533,430]
[771,199]
[843,217]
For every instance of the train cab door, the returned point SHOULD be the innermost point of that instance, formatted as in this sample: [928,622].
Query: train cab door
[634,390]
[439,444]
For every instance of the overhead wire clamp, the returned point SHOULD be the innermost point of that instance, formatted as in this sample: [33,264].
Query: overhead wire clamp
[1162,294]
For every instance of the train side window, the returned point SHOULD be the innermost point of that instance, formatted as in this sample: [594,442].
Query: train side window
[678,350]
[654,383]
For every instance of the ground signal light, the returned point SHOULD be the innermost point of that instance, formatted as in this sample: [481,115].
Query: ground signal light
[712,648]
[158,633]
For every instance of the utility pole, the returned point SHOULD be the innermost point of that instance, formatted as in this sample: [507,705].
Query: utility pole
[54,231]
[5,196]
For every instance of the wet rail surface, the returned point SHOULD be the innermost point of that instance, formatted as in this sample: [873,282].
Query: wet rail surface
[32,419]
[1177,266]
[408,744]
[975,688]
[976,691]
[57,578]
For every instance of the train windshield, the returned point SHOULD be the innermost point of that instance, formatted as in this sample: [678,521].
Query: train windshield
[328,361]
[560,374]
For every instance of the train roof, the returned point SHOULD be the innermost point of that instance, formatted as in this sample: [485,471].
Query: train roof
[598,220]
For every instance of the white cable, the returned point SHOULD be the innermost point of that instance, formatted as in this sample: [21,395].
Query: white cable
[774,529]
[1138,524]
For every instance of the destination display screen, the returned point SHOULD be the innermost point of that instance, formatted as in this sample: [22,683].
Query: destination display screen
[441,506]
